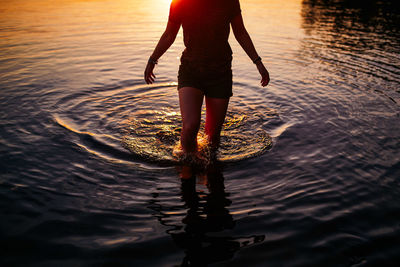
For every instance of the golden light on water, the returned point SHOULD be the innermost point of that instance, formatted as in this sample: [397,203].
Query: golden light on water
[76,31]
[155,136]
[66,11]
[42,14]
[85,141]
[53,25]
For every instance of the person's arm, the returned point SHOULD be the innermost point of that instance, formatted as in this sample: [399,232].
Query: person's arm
[166,40]
[243,38]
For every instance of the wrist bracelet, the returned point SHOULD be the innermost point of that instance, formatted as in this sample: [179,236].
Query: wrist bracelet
[256,60]
[152,61]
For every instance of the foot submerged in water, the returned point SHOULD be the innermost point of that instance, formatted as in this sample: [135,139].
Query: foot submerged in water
[204,155]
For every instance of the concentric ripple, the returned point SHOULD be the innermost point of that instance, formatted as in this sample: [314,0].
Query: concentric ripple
[155,138]
[151,132]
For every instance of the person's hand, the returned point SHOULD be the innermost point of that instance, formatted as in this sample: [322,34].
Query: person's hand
[149,76]
[264,73]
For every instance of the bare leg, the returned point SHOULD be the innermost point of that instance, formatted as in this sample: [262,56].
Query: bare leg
[215,117]
[190,102]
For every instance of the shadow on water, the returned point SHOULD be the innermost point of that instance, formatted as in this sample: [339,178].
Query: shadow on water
[349,15]
[357,39]
[355,26]
[203,230]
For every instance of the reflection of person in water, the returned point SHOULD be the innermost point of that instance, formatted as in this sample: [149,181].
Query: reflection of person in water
[205,69]
[217,216]
[206,214]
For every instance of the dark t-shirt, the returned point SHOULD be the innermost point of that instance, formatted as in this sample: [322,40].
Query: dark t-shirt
[206,27]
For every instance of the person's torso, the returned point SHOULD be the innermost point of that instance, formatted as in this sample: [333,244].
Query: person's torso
[206,27]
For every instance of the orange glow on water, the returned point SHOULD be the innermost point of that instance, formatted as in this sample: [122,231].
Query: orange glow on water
[78,22]
[66,12]
[50,18]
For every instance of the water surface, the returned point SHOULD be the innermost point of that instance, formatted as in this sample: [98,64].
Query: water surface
[310,165]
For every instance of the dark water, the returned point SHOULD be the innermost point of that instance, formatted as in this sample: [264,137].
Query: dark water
[86,171]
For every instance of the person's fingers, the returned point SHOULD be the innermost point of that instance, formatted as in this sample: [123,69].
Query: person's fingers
[263,82]
[152,77]
[149,76]
[265,79]
[264,74]
[149,79]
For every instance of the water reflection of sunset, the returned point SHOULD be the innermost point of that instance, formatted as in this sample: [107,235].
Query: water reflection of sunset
[86,16]
[81,28]
[80,22]
[72,91]
[65,11]
[86,30]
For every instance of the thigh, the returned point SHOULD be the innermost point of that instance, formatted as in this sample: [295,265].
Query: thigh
[190,102]
[215,112]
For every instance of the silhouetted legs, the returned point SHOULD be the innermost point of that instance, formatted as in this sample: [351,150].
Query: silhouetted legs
[215,117]
[190,101]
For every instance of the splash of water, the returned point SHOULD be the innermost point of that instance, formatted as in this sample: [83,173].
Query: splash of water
[154,136]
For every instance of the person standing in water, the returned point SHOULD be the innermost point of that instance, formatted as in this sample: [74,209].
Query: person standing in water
[205,70]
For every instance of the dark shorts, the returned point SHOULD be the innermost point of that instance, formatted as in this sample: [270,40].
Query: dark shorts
[215,80]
